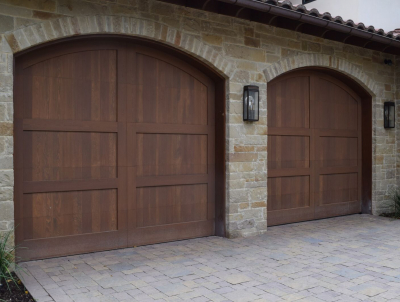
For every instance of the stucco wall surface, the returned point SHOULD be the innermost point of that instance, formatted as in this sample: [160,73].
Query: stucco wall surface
[241,51]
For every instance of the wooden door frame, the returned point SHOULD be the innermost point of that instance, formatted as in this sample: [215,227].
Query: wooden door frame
[366,125]
[220,118]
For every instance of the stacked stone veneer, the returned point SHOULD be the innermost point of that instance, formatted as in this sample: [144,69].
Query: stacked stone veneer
[243,52]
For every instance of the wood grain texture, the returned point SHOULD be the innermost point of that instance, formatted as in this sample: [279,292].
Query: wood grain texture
[171,154]
[116,147]
[314,148]
[70,213]
[54,156]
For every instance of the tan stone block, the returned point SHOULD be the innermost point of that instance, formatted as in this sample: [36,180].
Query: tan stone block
[81,8]
[6,162]
[285,52]
[30,35]
[256,213]
[117,9]
[257,77]
[6,23]
[294,44]
[225,32]
[243,157]
[6,83]
[247,65]
[46,5]
[261,177]
[281,32]
[6,194]
[272,58]
[161,8]
[247,53]
[191,25]
[252,42]
[6,129]
[327,50]
[241,76]
[259,204]
[258,194]
[249,31]
[44,15]
[274,40]
[212,39]
[6,113]
[244,148]
[12,42]
[314,47]
[233,208]
[7,210]
[243,205]
[171,21]
[48,30]
[6,178]
[269,48]
[236,217]
[241,166]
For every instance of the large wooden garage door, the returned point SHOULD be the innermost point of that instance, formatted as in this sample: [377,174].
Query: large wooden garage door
[114,147]
[314,148]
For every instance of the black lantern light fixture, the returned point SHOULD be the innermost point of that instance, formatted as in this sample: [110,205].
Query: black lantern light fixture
[389,114]
[251,101]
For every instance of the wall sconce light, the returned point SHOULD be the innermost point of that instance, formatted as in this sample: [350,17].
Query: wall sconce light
[251,102]
[388,62]
[389,115]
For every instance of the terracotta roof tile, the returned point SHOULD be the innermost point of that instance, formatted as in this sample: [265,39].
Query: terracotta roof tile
[338,19]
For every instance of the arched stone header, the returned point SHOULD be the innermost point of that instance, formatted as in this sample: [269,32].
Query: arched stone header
[312,60]
[51,30]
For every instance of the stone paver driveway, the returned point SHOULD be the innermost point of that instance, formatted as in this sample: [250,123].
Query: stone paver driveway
[352,258]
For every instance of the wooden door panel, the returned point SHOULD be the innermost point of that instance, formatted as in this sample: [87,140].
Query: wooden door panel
[338,169]
[71,179]
[338,151]
[171,154]
[288,103]
[314,148]
[78,86]
[164,93]
[338,188]
[336,108]
[288,193]
[166,205]
[288,152]
[171,134]
[60,214]
[56,156]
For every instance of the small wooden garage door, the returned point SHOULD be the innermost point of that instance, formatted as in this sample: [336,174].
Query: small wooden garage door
[314,148]
[114,147]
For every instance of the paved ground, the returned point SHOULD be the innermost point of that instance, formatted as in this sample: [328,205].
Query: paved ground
[352,258]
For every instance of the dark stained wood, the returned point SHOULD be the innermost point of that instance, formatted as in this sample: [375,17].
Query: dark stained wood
[57,156]
[315,162]
[338,109]
[59,214]
[111,153]
[170,115]
[290,167]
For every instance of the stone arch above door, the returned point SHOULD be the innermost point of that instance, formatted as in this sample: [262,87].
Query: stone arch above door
[52,30]
[322,60]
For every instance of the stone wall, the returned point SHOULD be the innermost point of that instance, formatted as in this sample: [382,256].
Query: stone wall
[243,52]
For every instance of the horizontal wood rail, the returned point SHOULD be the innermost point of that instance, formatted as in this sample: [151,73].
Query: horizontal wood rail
[73,126]
[69,185]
